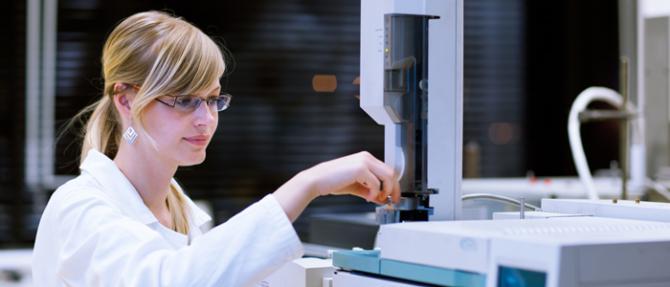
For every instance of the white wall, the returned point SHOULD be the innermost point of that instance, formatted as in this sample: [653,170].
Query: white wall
[655,8]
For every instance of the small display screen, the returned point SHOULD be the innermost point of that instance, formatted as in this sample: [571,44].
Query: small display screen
[517,277]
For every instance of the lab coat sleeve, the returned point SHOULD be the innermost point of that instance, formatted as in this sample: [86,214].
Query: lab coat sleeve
[101,247]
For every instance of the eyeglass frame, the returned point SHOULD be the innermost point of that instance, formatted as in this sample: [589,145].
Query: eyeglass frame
[227,98]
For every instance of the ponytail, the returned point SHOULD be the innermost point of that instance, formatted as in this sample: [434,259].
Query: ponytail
[176,201]
[102,131]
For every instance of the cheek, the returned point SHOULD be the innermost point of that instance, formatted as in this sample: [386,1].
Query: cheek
[172,131]
[165,129]
[167,134]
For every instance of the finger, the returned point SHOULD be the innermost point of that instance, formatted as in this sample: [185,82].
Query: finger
[386,187]
[365,193]
[389,179]
[381,200]
[368,179]
[395,194]
[385,174]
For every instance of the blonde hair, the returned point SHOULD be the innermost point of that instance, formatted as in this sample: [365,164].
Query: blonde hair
[163,55]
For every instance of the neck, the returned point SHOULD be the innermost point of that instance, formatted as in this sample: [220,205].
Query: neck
[149,174]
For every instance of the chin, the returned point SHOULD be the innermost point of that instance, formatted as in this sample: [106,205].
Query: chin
[195,160]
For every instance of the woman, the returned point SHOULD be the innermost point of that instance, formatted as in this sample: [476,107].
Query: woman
[126,222]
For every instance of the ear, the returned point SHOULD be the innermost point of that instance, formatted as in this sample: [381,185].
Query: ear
[122,101]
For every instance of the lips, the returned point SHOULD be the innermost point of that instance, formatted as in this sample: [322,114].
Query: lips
[200,140]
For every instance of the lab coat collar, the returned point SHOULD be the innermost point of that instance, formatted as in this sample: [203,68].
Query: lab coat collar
[115,184]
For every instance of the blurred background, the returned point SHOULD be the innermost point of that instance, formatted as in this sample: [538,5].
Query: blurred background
[524,63]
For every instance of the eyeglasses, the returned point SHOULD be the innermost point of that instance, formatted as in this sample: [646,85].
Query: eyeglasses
[188,103]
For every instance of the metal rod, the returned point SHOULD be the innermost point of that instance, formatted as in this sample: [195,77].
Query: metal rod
[499,198]
[623,137]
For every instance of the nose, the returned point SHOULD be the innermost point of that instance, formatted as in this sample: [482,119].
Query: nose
[204,115]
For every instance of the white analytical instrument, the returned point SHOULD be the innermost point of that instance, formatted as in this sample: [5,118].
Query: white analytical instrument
[579,243]
[411,82]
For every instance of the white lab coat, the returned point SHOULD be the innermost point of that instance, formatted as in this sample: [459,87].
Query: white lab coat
[96,231]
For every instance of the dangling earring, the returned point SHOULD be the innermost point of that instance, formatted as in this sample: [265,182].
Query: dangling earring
[130,135]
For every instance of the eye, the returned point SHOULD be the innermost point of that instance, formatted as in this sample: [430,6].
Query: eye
[212,101]
[184,101]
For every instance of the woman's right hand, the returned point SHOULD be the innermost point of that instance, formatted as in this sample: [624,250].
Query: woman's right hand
[359,174]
